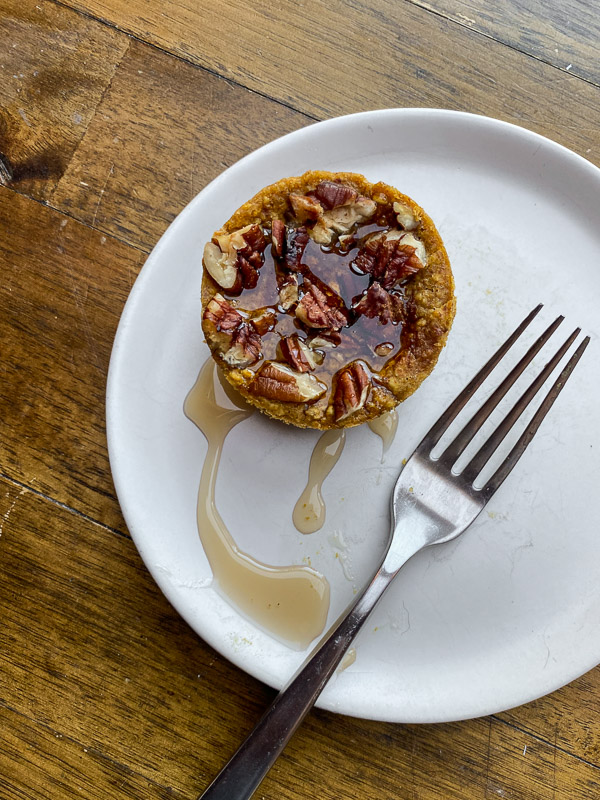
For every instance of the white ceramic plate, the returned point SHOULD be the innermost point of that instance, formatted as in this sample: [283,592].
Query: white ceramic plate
[511,610]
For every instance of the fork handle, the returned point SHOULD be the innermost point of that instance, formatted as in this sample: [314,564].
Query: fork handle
[240,777]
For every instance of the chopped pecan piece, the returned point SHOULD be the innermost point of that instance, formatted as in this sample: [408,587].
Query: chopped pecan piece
[410,240]
[289,293]
[255,238]
[222,315]
[250,258]
[341,218]
[278,237]
[297,353]
[245,348]
[351,390]
[377,302]
[331,194]
[220,268]
[264,319]
[388,259]
[346,240]
[325,340]
[281,383]
[234,260]
[305,208]
[405,216]
[321,309]
[296,241]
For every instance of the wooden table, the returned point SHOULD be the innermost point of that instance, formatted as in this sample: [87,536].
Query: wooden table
[113,115]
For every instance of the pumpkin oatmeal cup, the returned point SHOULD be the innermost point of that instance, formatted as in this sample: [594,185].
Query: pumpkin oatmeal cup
[327,299]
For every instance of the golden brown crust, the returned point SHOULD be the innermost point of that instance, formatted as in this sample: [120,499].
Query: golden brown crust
[429,292]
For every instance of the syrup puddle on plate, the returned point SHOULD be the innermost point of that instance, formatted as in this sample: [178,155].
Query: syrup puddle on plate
[290,602]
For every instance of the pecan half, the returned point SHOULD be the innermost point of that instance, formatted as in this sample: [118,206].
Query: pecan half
[245,348]
[331,194]
[281,383]
[351,390]
[321,309]
[341,219]
[388,259]
[305,208]
[377,302]
[298,355]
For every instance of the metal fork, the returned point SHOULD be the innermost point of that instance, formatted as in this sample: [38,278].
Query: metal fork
[431,504]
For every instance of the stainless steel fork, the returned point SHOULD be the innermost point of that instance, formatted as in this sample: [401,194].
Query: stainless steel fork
[431,504]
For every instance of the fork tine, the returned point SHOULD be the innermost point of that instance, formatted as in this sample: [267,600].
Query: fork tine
[480,459]
[530,431]
[435,433]
[457,446]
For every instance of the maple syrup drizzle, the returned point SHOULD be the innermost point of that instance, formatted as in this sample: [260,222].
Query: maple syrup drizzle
[290,602]
[385,426]
[309,512]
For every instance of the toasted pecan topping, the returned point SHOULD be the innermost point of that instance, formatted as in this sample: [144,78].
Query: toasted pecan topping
[255,238]
[341,219]
[345,240]
[297,353]
[281,383]
[351,390]
[331,194]
[288,292]
[233,260]
[321,309]
[388,260]
[222,314]
[405,216]
[264,319]
[250,258]
[325,340]
[305,208]
[278,237]
[245,348]
[296,241]
[222,269]
[377,302]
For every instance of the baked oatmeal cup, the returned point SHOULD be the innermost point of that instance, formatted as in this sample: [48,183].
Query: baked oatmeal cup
[327,299]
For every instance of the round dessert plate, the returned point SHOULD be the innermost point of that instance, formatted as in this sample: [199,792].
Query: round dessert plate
[511,610]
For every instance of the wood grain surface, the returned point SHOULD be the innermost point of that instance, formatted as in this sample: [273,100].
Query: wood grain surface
[565,34]
[113,115]
[54,68]
[328,59]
